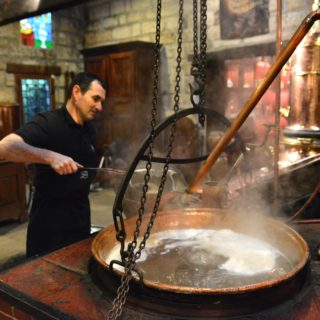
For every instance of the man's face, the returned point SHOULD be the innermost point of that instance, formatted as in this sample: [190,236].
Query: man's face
[88,104]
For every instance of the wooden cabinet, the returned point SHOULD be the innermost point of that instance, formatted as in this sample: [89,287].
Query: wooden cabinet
[9,118]
[12,192]
[12,175]
[127,69]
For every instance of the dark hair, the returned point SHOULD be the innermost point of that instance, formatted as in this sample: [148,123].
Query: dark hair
[84,80]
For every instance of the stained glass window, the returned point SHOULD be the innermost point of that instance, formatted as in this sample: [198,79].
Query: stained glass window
[35,97]
[37,31]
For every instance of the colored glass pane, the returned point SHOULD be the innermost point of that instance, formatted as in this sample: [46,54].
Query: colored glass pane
[35,97]
[37,31]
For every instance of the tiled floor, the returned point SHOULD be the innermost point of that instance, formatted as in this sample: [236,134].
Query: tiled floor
[13,234]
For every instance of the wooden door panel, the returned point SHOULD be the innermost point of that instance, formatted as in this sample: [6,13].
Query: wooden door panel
[9,119]
[121,127]
[121,74]
[12,192]
[8,190]
[123,130]
[97,65]
[128,74]
[117,127]
[119,105]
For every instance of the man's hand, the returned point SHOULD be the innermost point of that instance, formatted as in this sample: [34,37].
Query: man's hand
[13,148]
[63,165]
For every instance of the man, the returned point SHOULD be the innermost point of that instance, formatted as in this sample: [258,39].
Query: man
[60,143]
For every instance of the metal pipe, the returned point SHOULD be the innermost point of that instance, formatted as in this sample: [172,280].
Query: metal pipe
[275,205]
[306,204]
[306,221]
[255,97]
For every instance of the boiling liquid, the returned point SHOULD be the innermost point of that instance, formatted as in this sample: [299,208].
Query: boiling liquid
[207,258]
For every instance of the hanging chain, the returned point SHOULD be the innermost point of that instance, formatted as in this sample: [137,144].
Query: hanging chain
[195,60]
[123,289]
[130,262]
[198,67]
[203,49]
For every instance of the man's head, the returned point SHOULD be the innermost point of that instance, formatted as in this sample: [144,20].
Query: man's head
[87,93]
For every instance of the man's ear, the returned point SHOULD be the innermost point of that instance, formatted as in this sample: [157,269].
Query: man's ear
[76,91]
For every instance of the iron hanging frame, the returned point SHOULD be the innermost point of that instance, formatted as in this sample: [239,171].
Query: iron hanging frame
[118,203]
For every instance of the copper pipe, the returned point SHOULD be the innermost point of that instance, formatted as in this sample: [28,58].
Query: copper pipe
[256,96]
[307,221]
[275,205]
[306,204]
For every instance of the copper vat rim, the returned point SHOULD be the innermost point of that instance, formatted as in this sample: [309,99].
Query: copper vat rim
[210,291]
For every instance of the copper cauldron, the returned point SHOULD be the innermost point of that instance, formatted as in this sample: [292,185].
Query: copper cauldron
[192,302]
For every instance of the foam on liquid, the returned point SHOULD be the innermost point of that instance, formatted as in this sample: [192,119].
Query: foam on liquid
[208,258]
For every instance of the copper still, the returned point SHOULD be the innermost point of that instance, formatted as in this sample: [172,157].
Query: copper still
[303,131]
[305,83]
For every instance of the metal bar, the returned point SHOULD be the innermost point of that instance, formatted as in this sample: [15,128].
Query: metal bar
[305,221]
[102,169]
[275,205]
[256,96]
[110,170]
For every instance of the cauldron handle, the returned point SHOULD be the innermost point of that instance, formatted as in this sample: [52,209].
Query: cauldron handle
[118,203]
[121,264]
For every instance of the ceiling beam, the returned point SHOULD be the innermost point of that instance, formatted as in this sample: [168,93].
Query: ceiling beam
[15,10]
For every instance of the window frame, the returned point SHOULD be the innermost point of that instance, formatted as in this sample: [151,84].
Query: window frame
[19,78]
[23,71]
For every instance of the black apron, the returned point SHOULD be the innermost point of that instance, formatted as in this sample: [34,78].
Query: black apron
[61,218]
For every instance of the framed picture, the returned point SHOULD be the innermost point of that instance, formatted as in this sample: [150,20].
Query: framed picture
[242,19]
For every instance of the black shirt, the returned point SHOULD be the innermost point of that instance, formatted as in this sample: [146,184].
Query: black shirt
[57,131]
[60,212]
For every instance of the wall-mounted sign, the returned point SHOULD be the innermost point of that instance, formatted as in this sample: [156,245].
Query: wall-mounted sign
[242,19]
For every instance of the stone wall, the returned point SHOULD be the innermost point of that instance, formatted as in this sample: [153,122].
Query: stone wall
[113,21]
[68,39]
[104,22]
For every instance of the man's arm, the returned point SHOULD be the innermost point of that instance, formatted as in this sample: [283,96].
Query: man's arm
[13,148]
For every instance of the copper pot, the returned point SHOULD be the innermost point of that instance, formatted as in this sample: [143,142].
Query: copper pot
[194,302]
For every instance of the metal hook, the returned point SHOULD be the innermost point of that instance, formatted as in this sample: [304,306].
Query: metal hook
[196,92]
[123,265]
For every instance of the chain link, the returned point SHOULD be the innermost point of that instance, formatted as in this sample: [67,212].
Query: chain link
[132,257]
[203,49]
[195,61]
[198,67]
[119,302]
